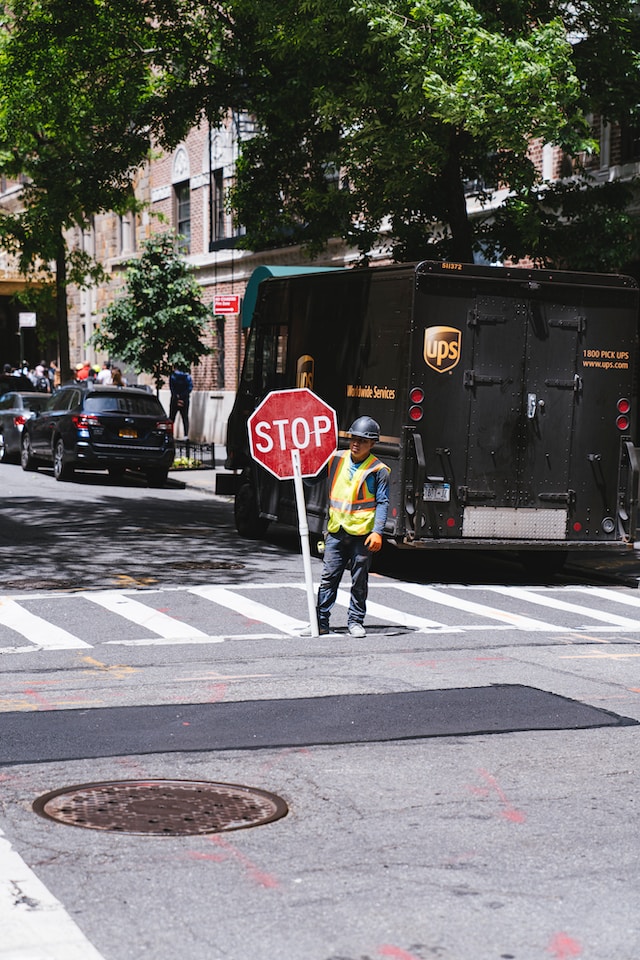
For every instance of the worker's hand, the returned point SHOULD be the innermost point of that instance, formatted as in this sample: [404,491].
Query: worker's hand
[373,543]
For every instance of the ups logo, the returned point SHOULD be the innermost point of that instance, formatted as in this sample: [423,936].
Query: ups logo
[442,348]
[304,371]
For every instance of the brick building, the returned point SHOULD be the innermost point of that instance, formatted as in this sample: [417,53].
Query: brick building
[186,190]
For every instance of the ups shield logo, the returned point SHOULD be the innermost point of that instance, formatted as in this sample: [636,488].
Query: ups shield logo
[442,348]
[305,368]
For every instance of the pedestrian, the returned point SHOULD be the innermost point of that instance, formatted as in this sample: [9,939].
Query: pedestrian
[117,379]
[358,504]
[180,385]
[104,376]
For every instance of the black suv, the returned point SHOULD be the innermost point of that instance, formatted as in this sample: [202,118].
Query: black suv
[92,427]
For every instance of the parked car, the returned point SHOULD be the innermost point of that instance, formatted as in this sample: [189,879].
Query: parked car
[91,427]
[15,409]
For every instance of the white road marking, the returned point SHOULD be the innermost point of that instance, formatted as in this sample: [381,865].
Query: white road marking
[547,600]
[166,627]
[161,629]
[36,630]
[399,616]
[616,596]
[250,609]
[167,641]
[34,924]
[469,606]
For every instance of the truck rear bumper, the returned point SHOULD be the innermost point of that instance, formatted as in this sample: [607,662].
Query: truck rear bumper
[466,543]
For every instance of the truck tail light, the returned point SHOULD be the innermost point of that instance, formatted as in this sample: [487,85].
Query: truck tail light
[165,426]
[416,398]
[20,420]
[623,420]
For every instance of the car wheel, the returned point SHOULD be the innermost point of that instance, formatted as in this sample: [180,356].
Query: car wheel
[157,478]
[249,523]
[61,469]
[27,460]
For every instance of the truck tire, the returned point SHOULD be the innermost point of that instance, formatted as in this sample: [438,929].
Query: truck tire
[249,524]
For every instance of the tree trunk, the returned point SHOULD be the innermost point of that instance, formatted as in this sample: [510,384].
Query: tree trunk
[62,317]
[462,242]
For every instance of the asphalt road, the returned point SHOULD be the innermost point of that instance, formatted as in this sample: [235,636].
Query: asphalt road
[464,791]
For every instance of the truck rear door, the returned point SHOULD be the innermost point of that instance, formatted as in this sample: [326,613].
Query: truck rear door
[514,443]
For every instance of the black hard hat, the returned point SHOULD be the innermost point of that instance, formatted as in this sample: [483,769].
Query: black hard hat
[365,427]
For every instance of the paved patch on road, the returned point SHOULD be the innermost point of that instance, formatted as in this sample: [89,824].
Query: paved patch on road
[358,718]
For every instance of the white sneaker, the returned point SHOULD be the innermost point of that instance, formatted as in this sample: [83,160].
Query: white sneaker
[356,630]
[323,631]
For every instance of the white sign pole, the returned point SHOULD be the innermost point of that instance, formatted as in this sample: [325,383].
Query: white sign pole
[304,540]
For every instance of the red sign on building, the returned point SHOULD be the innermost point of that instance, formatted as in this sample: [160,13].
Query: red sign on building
[226,306]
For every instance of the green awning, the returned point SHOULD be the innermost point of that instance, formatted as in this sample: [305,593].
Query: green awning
[260,274]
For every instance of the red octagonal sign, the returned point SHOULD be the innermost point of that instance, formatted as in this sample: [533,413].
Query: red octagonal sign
[289,420]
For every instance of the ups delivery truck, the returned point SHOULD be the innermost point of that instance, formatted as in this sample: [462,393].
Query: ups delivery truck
[506,398]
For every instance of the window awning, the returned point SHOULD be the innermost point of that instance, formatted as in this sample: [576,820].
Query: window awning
[262,273]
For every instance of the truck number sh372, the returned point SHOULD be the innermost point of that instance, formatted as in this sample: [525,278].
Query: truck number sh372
[506,397]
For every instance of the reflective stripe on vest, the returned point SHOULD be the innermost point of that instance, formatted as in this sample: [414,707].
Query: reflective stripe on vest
[352,506]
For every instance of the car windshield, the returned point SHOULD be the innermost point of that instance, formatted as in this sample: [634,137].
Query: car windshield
[142,405]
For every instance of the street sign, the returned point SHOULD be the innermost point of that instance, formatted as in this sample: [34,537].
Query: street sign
[290,420]
[26,320]
[292,433]
[226,306]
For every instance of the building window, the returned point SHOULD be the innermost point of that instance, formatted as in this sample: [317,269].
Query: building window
[183,216]
[218,206]
[629,143]
[128,239]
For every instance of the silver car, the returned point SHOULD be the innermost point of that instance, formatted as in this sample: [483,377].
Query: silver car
[15,409]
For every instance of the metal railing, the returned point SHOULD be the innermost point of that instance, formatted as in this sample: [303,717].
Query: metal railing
[194,456]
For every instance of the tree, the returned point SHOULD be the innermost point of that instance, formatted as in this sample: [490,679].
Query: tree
[85,89]
[160,318]
[375,114]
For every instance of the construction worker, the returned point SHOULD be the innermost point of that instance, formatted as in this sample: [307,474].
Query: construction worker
[358,503]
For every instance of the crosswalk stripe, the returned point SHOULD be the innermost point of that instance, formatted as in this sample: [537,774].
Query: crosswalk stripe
[555,603]
[144,616]
[470,606]
[37,630]
[399,616]
[34,923]
[616,596]
[250,609]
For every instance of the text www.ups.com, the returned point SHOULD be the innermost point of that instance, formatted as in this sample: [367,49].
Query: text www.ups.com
[607,364]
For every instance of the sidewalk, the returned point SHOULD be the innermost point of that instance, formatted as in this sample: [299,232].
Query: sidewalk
[204,478]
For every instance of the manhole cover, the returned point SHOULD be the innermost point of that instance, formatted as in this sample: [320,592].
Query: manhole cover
[166,808]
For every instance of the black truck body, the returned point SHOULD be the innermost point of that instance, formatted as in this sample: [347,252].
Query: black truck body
[506,397]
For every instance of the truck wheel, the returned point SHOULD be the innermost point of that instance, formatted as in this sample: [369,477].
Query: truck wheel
[249,523]
[61,469]
[27,460]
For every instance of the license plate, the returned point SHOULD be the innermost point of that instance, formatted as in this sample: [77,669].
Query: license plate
[437,491]
[130,434]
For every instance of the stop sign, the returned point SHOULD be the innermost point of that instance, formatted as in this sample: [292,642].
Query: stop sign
[288,420]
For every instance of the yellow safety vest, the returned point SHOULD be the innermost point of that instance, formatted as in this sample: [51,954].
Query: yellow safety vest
[352,505]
